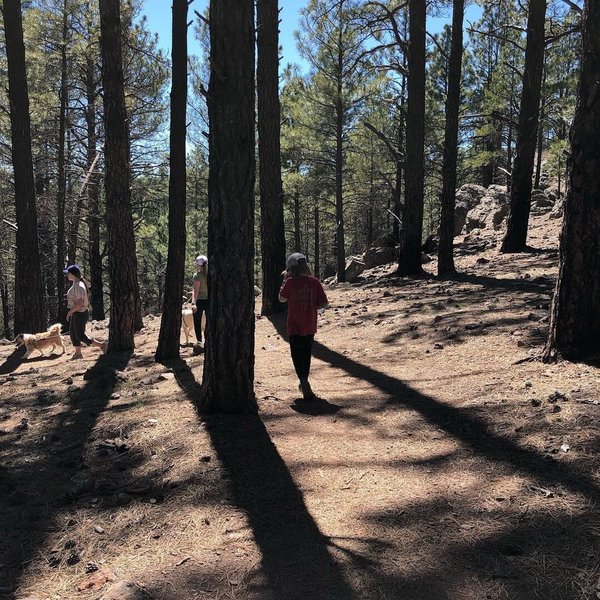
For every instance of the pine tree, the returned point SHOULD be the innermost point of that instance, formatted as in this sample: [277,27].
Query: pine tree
[574,330]
[170,325]
[269,132]
[515,239]
[125,305]
[29,296]
[227,384]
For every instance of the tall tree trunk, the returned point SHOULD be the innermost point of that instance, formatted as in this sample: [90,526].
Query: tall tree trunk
[93,195]
[170,325]
[297,238]
[29,295]
[448,199]
[574,330]
[272,233]
[412,223]
[515,239]
[61,192]
[398,209]
[5,302]
[339,166]
[125,307]
[227,385]
[317,253]
[540,133]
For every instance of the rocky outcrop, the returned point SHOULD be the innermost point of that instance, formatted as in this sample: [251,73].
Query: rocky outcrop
[490,211]
[467,197]
[374,257]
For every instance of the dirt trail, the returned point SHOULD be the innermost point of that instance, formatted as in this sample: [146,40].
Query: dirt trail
[444,462]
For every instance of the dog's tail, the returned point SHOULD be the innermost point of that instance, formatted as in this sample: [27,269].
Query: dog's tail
[55,329]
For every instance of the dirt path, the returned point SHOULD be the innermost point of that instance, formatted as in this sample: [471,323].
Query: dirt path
[443,463]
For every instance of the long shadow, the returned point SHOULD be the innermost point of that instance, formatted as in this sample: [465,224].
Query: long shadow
[34,494]
[295,557]
[534,286]
[460,423]
[12,362]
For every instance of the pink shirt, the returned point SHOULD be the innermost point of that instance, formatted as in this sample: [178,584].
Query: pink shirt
[303,294]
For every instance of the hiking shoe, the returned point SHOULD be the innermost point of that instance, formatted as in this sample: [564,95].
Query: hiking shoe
[306,390]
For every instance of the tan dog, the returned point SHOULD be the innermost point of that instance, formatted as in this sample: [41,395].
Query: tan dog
[187,323]
[40,341]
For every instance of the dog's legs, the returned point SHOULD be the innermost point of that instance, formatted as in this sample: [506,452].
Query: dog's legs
[29,352]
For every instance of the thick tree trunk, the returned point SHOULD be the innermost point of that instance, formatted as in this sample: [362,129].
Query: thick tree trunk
[228,380]
[574,330]
[125,310]
[339,192]
[448,199]
[515,239]
[412,223]
[93,196]
[297,238]
[29,296]
[317,253]
[5,302]
[61,192]
[272,233]
[170,325]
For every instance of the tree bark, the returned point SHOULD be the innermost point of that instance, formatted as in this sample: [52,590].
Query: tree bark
[30,314]
[93,195]
[448,199]
[339,159]
[170,325]
[227,385]
[574,330]
[412,223]
[61,184]
[272,233]
[515,239]
[125,307]
[317,252]
[297,239]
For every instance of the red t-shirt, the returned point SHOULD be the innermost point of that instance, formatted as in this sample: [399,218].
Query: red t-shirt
[303,294]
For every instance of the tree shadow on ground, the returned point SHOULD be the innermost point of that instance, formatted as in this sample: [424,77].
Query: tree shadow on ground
[34,494]
[461,423]
[295,557]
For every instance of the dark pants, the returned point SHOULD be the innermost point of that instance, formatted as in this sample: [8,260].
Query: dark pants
[301,347]
[77,325]
[201,307]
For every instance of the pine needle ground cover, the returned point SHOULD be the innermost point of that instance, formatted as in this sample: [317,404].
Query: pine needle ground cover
[444,461]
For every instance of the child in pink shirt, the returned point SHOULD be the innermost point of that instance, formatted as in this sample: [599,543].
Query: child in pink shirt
[305,295]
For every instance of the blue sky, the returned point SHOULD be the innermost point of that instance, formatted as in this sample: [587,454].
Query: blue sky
[158,13]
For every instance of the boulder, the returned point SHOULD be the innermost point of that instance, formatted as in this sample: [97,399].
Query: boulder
[374,257]
[491,210]
[558,210]
[540,202]
[354,267]
[467,197]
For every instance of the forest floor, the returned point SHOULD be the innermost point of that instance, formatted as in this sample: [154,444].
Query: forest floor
[444,461]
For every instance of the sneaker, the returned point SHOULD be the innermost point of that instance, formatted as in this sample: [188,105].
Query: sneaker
[306,390]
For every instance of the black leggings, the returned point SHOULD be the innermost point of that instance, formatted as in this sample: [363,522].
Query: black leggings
[301,347]
[77,325]
[201,306]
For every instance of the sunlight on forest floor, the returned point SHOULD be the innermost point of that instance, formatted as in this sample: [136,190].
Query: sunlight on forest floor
[445,461]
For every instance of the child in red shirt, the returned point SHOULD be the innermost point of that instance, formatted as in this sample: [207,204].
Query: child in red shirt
[304,294]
